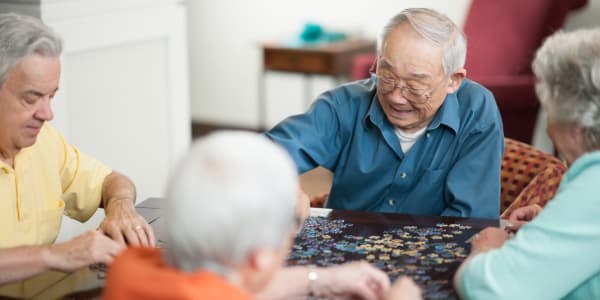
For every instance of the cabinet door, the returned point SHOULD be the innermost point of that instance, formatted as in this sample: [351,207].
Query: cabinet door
[123,96]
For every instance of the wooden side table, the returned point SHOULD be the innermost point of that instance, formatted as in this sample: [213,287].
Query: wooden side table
[330,59]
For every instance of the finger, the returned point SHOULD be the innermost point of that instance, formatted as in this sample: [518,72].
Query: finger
[150,232]
[110,246]
[107,259]
[147,235]
[131,236]
[511,228]
[141,235]
[364,291]
[381,280]
[111,230]
[518,224]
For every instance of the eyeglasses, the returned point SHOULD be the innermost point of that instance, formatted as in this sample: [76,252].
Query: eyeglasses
[387,85]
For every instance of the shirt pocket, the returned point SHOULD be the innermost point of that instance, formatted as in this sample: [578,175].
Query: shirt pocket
[430,191]
[50,221]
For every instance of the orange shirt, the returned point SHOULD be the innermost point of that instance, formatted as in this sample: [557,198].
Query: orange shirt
[139,273]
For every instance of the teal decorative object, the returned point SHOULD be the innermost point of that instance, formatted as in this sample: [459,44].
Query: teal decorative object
[311,33]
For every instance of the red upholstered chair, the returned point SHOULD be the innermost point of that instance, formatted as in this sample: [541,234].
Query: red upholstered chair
[502,39]
[528,176]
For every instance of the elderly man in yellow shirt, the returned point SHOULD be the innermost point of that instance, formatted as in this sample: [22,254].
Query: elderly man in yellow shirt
[43,177]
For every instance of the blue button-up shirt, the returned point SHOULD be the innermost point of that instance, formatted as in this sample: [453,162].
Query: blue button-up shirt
[452,170]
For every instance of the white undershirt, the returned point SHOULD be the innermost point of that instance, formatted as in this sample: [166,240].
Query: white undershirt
[407,140]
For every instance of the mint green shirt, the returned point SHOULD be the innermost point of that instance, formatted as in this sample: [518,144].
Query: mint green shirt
[557,255]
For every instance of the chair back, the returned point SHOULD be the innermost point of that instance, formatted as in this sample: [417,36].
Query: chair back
[506,45]
[528,176]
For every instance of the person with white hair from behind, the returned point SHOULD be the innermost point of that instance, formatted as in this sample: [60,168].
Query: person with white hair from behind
[231,216]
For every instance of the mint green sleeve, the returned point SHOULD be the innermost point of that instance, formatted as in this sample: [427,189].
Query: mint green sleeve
[556,255]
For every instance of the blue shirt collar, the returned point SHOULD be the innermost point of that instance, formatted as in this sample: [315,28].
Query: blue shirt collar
[448,114]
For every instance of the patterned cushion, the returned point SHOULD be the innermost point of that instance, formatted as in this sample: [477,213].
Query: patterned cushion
[528,176]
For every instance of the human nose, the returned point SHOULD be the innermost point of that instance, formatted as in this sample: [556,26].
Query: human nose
[44,111]
[397,94]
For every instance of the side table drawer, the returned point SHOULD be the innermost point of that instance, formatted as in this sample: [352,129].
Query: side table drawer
[298,61]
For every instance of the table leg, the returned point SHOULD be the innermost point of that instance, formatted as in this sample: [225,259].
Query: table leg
[262,105]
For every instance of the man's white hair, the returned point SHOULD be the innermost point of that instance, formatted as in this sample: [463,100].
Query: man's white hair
[567,68]
[232,193]
[435,27]
[22,36]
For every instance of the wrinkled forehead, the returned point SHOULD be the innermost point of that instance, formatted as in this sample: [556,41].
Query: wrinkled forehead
[385,65]
[406,52]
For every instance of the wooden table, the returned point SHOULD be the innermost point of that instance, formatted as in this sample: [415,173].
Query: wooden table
[330,59]
[427,248]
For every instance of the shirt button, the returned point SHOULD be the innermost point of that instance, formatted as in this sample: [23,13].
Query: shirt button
[427,135]
[403,175]
[391,202]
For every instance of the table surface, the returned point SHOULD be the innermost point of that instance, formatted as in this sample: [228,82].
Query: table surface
[427,248]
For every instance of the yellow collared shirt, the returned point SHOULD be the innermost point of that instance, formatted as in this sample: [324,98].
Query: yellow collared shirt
[49,179]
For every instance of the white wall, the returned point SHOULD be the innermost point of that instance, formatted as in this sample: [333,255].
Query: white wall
[124,87]
[587,17]
[225,58]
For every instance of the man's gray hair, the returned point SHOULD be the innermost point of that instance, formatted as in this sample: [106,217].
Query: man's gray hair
[233,193]
[437,28]
[22,36]
[567,68]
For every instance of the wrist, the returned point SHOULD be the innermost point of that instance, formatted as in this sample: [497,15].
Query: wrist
[481,249]
[48,257]
[312,276]
[118,203]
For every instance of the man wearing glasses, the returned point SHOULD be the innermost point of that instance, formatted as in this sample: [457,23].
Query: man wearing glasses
[417,137]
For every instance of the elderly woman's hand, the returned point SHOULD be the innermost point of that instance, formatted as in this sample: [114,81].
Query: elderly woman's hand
[488,239]
[356,280]
[522,216]
[404,289]
[303,206]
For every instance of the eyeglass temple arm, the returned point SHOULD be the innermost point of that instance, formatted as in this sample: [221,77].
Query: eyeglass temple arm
[373,68]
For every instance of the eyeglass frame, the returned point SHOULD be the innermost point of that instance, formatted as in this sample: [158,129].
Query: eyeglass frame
[395,84]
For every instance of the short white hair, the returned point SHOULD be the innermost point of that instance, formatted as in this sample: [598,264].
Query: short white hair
[567,68]
[435,27]
[22,36]
[232,193]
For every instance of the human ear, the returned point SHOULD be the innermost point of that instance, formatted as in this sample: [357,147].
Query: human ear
[455,80]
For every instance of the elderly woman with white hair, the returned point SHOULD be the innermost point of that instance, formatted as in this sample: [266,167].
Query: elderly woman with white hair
[556,254]
[230,223]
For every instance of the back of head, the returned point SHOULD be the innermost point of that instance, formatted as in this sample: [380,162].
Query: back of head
[232,193]
[22,36]
[567,68]
[435,27]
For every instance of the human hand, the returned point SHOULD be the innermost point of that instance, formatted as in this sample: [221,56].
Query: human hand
[353,280]
[89,248]
[404,289]
[303,207]
[488,239]
[124,225]
[319,201]
[522,216]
